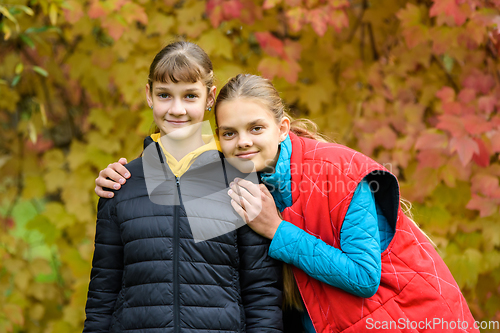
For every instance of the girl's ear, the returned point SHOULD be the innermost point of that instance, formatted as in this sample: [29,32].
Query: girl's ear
[149,98]
[284,127]
[211,97]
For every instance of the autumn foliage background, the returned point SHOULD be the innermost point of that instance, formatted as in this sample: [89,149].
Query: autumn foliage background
[413,84]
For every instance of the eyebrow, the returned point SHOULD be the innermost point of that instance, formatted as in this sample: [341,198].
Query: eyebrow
[190,90]
[253,123]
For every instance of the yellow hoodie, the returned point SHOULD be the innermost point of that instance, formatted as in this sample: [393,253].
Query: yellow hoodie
[180,167]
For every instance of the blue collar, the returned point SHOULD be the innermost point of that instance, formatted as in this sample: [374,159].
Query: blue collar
[279,182]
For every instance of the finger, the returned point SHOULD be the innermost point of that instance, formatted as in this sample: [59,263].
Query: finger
[103,182]
[240,211]
[103,194]
[264,190]
[119,168]
[251,199]
[122,161]
[238,199]
[249,186]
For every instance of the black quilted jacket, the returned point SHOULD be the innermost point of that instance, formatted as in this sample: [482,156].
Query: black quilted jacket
[149,274]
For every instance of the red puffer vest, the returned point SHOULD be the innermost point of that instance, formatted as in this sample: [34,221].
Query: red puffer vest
[417,292]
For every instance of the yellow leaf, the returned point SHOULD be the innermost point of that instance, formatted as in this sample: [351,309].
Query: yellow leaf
[160,23]
[215,43]
[55,180]
[312,96]
[77,155]
[101,119]
[40,266]
[56,213]
[22,279]
[34,187]
[53,13]
[36,311]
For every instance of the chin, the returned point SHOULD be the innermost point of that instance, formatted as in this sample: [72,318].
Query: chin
[245,166]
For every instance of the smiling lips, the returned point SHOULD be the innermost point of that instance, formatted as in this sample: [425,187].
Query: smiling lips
[247,154]
[177,122]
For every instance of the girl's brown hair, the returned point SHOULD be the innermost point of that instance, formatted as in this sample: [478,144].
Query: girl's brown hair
[181,62]
[262,91]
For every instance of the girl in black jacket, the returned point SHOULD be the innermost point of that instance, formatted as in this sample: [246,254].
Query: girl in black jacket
[170,253]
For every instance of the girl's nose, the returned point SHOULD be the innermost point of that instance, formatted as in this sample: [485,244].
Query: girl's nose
[244,141]
[177,108]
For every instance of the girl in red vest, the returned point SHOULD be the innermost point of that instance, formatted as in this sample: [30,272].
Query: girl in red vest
[360,264]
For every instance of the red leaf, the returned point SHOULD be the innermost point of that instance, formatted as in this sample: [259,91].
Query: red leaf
[292,49]
[214,11]
[495,142]
[446,94]
[232,9]
[465,147]
[318,18]
[475,124]
[269,67]
[487,103]
[385,137]
[479,82]
[449,8]
[484,183]
[270,44]
[268,4]
[483,157]
[467,95]
[486,207]
[429,140]
[290,71]
[452,124]
[338,19]
[431,158]
[96,10]
[452,108]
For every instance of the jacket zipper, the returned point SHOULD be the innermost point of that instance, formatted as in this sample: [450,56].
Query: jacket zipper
[176,259]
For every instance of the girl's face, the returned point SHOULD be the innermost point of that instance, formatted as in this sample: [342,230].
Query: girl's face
[179,108]
[249,134]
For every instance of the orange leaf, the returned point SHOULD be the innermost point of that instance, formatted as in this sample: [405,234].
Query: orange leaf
[268,4]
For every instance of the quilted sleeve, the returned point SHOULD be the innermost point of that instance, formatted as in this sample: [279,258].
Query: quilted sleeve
[260,282]
[356,268]
[107,271]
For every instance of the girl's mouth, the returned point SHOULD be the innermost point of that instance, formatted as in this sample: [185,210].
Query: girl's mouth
[247,155]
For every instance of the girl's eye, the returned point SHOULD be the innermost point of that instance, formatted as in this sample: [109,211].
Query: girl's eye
[190,96]
[228,134]
[163,95]
[257,129]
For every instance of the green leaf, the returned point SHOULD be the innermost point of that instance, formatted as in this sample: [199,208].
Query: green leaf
[28,41]
[40,71]
[15,80]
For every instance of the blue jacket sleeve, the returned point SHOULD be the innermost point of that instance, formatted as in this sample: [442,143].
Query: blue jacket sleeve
[356,267]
